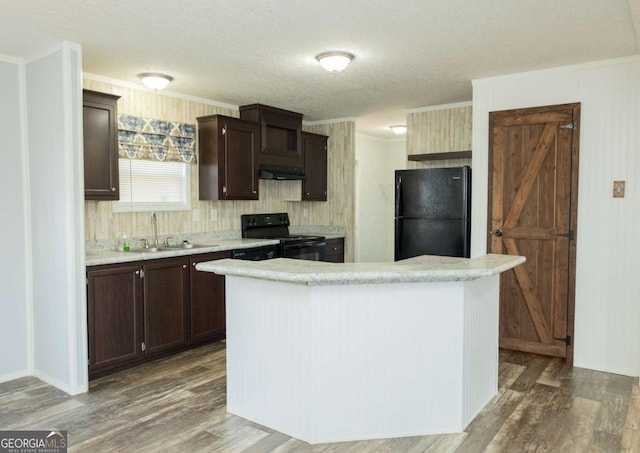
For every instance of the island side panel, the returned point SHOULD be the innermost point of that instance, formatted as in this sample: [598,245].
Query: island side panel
[387,360]
[347,362]
[481,317]
[268,363]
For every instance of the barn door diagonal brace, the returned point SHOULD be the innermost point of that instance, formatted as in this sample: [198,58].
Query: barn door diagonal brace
[530,299]
[530,174]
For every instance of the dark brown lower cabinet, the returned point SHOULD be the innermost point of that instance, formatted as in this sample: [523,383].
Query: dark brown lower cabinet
[146,309]
[114,295]
[166,293]
[334,252]
[207,301]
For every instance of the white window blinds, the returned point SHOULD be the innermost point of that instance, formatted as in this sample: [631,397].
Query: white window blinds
[147,185]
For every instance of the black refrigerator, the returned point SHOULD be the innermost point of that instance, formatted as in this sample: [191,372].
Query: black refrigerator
[433,212]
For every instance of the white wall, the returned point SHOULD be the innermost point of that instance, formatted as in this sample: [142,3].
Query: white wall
[607,317]
[13,270]
[376,161]
[53,88]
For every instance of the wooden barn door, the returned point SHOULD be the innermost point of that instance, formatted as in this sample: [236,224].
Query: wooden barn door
[533,181]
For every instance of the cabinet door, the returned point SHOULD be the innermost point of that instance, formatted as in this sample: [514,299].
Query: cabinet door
[241,142]
[281,135]
[335,250]
[114,308]
[207,300]
[101,180]
[227,167]
[166,294]
[314,187]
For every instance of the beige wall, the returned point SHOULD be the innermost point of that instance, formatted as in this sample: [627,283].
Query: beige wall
[377,161]
[439,130]
[103,224]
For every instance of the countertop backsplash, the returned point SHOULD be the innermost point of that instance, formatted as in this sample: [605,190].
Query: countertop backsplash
[321,230]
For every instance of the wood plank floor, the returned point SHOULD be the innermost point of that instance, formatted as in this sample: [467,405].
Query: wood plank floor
[178,405]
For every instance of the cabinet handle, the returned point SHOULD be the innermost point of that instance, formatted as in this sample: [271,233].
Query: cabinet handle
[194,264]
[113,189]
[254,191]
[307,194]
[184,266]
[137,272]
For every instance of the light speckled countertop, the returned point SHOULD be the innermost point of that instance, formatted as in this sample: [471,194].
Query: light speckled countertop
[418,269]
[102,252]
[98,257]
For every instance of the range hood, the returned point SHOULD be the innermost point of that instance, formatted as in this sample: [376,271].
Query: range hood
[279,172]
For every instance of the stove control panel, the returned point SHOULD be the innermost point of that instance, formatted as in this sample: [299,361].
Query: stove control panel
[257,221]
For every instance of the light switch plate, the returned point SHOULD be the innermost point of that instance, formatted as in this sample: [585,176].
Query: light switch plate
[214,215]
[196,215]
[618,189]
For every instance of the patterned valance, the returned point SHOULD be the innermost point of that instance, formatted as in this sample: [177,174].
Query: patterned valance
[149,139]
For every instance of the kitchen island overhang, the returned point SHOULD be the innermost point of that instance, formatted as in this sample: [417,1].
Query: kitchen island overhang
[329,352]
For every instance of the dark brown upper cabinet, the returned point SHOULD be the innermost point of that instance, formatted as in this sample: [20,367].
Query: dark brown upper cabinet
[228,151]
[100,132]
[314,187]
[281,136]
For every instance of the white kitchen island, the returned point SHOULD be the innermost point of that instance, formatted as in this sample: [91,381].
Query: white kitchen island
[329,352]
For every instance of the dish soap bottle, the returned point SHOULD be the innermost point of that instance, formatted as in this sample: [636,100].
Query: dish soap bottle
[125,245]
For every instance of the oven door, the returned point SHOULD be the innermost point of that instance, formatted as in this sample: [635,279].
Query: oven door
[308,250]
[266,252]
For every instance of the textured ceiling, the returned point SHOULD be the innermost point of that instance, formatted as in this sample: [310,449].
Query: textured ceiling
[409,53]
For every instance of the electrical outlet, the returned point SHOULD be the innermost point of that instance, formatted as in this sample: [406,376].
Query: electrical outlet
[196,215]
[214,215]
[618,189]
[305,212]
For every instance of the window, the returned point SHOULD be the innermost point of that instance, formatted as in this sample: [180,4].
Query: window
[147,185]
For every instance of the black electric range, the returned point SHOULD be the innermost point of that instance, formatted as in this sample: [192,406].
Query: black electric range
[276,226]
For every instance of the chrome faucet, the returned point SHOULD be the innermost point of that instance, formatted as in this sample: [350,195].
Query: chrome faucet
[154,222]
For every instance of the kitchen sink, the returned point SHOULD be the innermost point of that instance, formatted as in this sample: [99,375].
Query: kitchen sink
[171,247]
[184,246]
[153,249]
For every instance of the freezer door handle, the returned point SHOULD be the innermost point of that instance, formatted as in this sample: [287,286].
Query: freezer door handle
[398,197]
[398,242]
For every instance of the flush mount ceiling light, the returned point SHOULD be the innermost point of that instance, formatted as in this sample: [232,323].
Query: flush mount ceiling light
[399,129]
[334,61]
[154,80]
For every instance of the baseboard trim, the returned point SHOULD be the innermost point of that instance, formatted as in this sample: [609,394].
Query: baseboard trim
[12,376]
